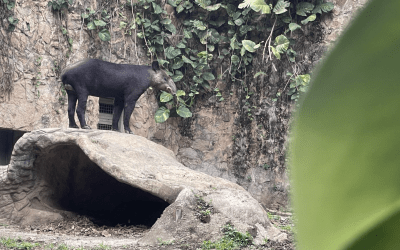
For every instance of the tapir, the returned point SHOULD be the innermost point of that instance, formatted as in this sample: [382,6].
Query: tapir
[124,82]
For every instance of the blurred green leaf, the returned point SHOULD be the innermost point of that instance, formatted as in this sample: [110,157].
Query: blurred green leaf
[344,156]
[162,114]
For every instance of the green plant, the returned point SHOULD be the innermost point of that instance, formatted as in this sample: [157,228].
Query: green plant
[17,243]
[346,131]
[266,166]
[163,113]
[232,239]
[97,20]
[233,37]
[12,23]
[165,243]
[57,5]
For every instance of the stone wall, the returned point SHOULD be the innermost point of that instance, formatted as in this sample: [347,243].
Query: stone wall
[219,140]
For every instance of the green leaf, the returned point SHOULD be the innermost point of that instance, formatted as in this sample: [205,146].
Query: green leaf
[10,5]
[234,59]
[165,97]
[282,44]
[179,9]
[199,25]
[294,26]
[325,7]
[249,45]
[166,21]
[105,35]
[91,26]
[183,112]
[162,114]
[70,41]
[261,6]
[187,60]
[170,27]
[84,15]
[157,8]
[213,7]
[275,52]
[178,64]
[100,23]
[171,52]
[180,93]
[303,8]
[309,19]
[259,74]
[239,21]
[187,34]
[347,132]
[208,76]
[177,76]
[280,7]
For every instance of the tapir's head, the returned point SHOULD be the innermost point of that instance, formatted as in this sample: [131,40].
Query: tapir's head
[160,80]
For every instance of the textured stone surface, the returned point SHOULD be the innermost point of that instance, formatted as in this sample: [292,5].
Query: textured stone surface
[52,170]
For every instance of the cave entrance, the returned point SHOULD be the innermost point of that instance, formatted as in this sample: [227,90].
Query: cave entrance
[8,138]
[71,181]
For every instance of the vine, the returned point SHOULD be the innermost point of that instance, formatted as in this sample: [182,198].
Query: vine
[216,34]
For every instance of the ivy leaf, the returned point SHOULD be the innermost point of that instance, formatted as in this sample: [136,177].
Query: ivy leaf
[10,5]
[170,27]
[213,7]
[234,59]
[91,26]
[162,62]
[100,23]
[282,43]
[184,112]
[180,93]
[239,21]
[177,76]
[261,6]
[280,7]
[208,76]
[304,7]
[162,114]
[259,74]
[179,9]
[157,8]
[275,52]
[171,52]
[13,21]
[187,34]
[325,7]
[309,19]
[199,25]
[286,19]
[181,45]
[105,35]
[294,26]
[165,97]
[178,64]
[249,45]
[291,55]
[166,21]
[245,4]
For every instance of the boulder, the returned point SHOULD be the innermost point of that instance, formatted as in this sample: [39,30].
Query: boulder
[113,177]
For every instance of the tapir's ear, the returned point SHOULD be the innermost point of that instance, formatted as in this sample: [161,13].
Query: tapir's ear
[155,66]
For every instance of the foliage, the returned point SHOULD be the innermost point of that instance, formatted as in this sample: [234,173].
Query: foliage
[344,156]
[17,243]
[232,239]
[97,20]
[213,33]
[57,5]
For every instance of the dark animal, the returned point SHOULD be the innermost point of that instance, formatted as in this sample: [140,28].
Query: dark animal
[124,82]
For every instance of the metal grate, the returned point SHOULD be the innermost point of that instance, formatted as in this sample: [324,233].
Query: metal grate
[106,108]
[104,126]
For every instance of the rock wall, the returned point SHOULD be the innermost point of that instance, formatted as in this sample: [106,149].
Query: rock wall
[219,139]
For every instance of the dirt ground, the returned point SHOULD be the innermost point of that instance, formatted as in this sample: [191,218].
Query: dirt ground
[79,232]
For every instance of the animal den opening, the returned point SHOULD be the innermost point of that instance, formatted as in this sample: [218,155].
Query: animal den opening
[70,181]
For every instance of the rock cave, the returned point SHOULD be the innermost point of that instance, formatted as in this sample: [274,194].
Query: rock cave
[72,182]
[115,178]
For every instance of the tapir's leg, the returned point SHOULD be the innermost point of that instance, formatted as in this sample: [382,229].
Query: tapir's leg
[72,98]
[80,111]
[118,106]
[129,107]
